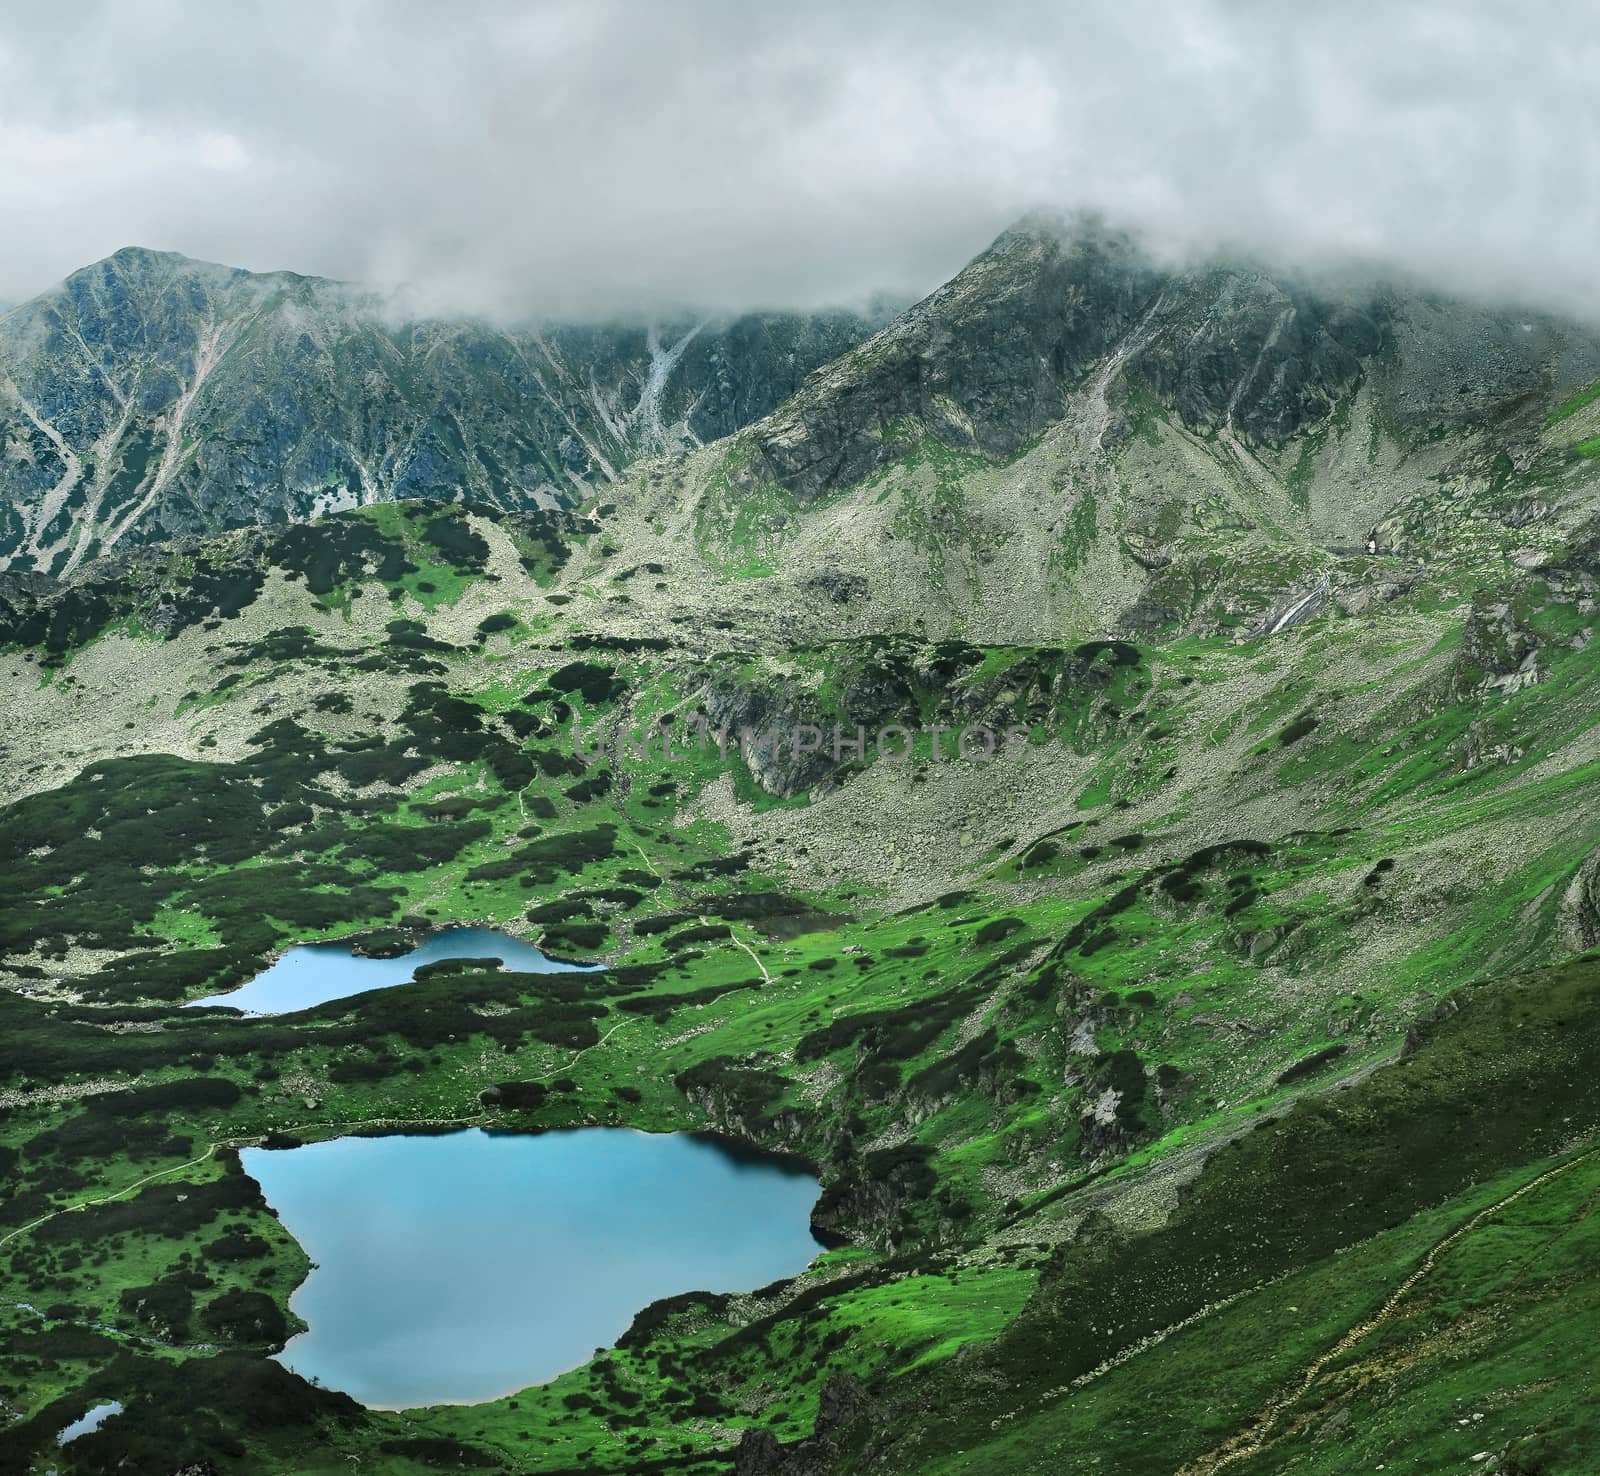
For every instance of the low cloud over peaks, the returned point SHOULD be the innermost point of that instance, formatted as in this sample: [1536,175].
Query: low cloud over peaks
[592,158]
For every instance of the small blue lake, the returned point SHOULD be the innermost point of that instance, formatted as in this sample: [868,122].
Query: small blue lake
[459,1267]
[313,973]
[89,1422]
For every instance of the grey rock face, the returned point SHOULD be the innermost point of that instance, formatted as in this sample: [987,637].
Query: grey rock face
[151,396]
[982,365]
[1497,650]
[1580,907]
[989,360]
[1265,358]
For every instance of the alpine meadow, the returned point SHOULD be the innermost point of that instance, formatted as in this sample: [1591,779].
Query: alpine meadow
[1074,798]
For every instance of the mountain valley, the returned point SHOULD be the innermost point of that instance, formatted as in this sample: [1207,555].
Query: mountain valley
[1192,1013]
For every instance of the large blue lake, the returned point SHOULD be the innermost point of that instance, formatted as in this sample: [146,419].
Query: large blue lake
[313,973]
[459,1267]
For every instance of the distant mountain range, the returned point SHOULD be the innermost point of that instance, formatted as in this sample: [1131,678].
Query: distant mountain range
[151,395]
[1064,427]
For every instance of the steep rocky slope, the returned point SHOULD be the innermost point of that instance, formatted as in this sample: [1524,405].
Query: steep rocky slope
[151,395]
[1065,438]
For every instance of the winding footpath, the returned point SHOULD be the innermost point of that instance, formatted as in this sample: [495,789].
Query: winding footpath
[1258,1435]
[108,1198]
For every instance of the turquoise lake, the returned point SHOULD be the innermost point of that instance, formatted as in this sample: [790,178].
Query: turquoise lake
[458,1267]
[313,973]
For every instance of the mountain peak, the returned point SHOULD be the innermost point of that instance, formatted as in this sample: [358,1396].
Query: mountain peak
[157,395]
[136,261]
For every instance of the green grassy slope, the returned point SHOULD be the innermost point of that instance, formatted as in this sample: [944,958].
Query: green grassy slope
[1109,1017]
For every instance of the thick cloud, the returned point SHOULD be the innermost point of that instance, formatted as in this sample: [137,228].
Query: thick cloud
[608,155]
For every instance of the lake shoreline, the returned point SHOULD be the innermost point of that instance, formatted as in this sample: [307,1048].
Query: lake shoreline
[572,1232]
[423,933]
[313,967]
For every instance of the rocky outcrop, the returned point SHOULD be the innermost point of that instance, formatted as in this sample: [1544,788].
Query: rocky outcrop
[841,1401]
[1580,907]
[794,737]
[1497,652]
[1114,1088]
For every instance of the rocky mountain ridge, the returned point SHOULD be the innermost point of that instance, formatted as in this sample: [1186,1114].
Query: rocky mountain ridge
[151,396]
[1066,438]
[997,355]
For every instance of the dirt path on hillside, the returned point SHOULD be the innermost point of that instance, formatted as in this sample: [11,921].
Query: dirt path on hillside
[1258,1434]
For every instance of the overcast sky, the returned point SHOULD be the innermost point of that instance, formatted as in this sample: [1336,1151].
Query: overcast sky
[590,157]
